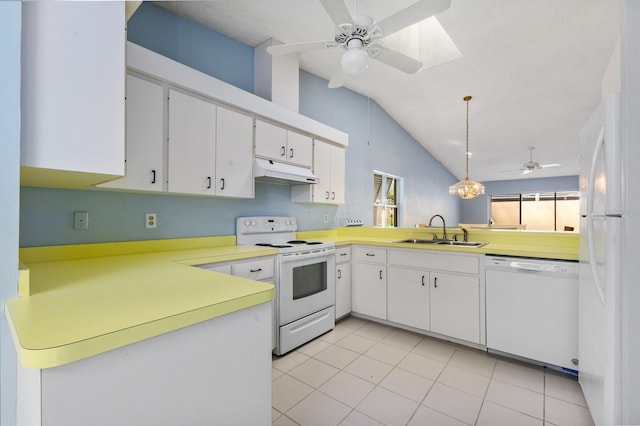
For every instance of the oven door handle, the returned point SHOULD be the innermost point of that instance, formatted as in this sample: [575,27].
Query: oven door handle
[291,257]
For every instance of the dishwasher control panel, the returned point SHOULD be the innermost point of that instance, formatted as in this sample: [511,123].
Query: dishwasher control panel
[531,265]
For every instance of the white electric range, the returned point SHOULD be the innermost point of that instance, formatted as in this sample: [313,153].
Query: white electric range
[305,279]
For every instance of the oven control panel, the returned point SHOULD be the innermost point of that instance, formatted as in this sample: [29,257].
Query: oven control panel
[265,224]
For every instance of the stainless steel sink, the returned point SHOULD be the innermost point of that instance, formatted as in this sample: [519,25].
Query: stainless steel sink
[415,241]
[443,243]
[461,243]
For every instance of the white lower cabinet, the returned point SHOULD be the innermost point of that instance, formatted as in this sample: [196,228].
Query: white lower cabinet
[343,281]
[428,290]
[369,281]
[214,372]
[455,306]
[259,269]
[408,297]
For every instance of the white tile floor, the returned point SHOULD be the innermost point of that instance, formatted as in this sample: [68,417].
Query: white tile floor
[363,373]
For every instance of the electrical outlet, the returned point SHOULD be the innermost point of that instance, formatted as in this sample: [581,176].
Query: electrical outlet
[325,219]
[80,221]
[150,220]
[335,220]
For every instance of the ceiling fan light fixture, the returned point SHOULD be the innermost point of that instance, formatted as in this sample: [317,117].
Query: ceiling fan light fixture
[466,188]
[355,60]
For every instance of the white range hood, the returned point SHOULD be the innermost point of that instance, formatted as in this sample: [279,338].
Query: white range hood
[273,171]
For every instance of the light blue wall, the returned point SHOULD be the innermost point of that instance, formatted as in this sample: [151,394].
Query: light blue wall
[376,142]
[477,210]
[178,38]
[10,23]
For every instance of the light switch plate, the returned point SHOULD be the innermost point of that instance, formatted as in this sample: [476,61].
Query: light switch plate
[80,221]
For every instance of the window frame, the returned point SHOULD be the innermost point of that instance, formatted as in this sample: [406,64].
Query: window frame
[525,197]
[383,205]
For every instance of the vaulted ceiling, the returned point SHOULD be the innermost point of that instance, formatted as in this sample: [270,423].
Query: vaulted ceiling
[534,69]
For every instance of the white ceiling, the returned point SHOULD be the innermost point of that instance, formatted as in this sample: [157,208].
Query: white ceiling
[533,67]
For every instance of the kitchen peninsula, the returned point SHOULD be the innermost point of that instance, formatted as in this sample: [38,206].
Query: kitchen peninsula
[131,333]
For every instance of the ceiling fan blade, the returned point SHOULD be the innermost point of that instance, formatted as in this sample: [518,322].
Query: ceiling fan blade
[397,60]
[287,49]
[551,165]
[417,12]
[338,78]
[527,171]
[337,11]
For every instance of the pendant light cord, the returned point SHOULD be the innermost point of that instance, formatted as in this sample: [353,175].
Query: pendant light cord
[467,99]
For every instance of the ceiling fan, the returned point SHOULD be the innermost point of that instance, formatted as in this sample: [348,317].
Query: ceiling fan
[532,166]
[361,37]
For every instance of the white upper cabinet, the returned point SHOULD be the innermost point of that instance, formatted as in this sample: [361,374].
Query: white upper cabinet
[144,137]
[73,93]
[329,167]
[191,153]
[280,144]
[209,148]
[234,157]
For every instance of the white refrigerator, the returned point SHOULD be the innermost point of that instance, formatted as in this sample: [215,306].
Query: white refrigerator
[602,317]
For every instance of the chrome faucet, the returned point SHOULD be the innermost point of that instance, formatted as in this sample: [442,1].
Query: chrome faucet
[444,229]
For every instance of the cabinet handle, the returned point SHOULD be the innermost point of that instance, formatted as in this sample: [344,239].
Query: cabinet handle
[380,273]
[327,197]
[343,254]
[339,274]
[333,195]
[222,186]
[423,280]
[153,174]
[255,270]
[208,182]
[290,152]
[283,151]
[371,254]
[435,282]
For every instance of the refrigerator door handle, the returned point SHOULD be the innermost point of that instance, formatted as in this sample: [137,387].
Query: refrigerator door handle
[597,152]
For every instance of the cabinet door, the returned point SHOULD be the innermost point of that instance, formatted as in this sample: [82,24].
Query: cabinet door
[144,168]
[455,306]
[234,159]
[343,289]
[337,174]
[322,170]
[73,93]
[408,297]
[271,141]
[369,289]
[191,153]
[299,149]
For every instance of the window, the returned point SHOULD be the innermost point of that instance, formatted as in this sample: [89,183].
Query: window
[386,199]
[539,211]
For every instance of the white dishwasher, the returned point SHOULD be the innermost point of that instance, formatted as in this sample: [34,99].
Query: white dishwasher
[532,309]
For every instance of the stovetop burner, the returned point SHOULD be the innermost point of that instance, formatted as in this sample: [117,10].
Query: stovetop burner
[275,232]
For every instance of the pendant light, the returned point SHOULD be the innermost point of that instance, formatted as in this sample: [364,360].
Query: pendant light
[467,189]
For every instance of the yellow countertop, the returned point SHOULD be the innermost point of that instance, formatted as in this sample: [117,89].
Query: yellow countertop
[538,244]
[82,300]
[80,307]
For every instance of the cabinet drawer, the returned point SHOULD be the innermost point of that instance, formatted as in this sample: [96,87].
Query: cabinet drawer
[223,269]
[466,264]
[370,254]
[255,269]
[343,254]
